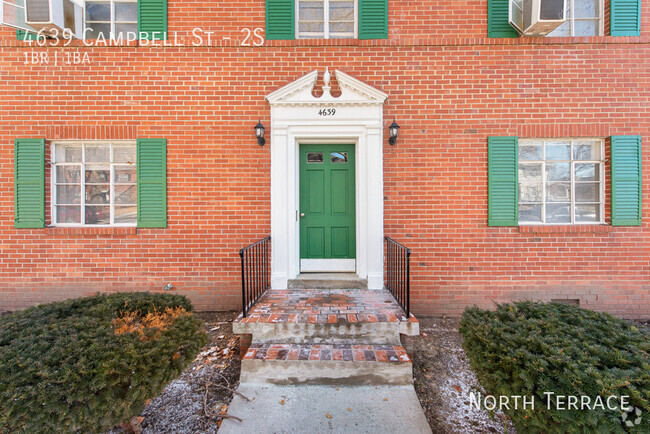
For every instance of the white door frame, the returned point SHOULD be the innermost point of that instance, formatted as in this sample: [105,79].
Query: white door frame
[295,119]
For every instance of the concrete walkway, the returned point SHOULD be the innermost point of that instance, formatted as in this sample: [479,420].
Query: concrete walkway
[326,409]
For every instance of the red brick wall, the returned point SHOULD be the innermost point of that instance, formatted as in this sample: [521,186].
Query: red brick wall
[448,96]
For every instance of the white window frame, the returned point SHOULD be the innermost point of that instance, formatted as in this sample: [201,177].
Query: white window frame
[82,164]
[572,162]
[326,27]
[112,22]
[14,25]
[573,19]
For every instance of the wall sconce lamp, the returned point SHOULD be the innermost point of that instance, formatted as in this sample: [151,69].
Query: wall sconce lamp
[393,129]
[259,132]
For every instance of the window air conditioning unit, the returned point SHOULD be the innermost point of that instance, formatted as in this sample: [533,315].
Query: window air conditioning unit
[536,17]
[50,16]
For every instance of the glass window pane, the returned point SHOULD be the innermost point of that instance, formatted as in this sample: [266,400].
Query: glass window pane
[311,27]
[585,28]
[558,171]
[126,214]
[122,154]
[587,213]
[559,150]
[342,28]
[587,192]
[530,192]
[124,30]
[587,172]
[586,150]
[530,172]
[68,214]
[587,9]
[98,11]
[97,174]
[530,213]
[125,174]
[98,153]
[339,157]
[562,30]
[314,157]
[68,194]
[95,29]
[98,194]
[341,11]
[98,215]
[125,194]
[530,152]
[311,11]
[126,11]
[68,153]
[558,192]
[68,174]
[557,213]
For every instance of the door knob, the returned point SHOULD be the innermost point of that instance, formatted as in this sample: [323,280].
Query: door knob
[302,214]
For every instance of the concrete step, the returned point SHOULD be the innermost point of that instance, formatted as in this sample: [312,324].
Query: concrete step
[328,281]
[342,364]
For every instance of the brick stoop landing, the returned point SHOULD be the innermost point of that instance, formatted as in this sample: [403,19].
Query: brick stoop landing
[335,336]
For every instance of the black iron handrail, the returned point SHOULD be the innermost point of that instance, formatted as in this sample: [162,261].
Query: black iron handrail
[255,271]
[398,273]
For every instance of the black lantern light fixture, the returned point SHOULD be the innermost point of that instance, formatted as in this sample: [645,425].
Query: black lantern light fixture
[393,129]
[259,132]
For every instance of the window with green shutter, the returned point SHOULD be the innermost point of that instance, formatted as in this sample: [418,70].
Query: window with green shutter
[625,17]
[502,181]
[152,19]
[626,180]
[152,183]
[326,19]
[29,183]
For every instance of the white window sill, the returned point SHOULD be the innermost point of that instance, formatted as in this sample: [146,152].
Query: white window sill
[567,228]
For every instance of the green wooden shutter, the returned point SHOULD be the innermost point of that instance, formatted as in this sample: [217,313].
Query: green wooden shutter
[503,183]
[29,183]
[626,180]
[20,35]
[152,19]
[498,25]
[373,19]
[625,18]
[152,183]
[280,19]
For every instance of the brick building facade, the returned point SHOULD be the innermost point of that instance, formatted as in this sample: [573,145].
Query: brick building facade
[449,85]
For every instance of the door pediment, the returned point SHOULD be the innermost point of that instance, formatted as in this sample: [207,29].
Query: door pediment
[353,92]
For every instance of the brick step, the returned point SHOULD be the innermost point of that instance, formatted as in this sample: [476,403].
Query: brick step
[328,317]
[341,364]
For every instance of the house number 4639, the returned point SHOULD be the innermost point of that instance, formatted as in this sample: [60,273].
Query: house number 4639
[327,112]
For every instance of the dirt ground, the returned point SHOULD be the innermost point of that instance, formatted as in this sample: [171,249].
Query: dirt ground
[443,380]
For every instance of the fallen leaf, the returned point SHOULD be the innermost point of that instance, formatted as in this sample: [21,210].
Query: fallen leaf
[385,399]
[457,388]
[349,409]
[147,402]
[282,402]
[329,416]
[424,334]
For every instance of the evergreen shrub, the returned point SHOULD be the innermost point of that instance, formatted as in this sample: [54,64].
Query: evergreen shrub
[528,348]
[87,364]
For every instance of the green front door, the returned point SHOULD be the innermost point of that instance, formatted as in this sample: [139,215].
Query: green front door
[327,218]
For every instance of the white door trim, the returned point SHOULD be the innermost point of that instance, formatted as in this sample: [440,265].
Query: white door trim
[295,119]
